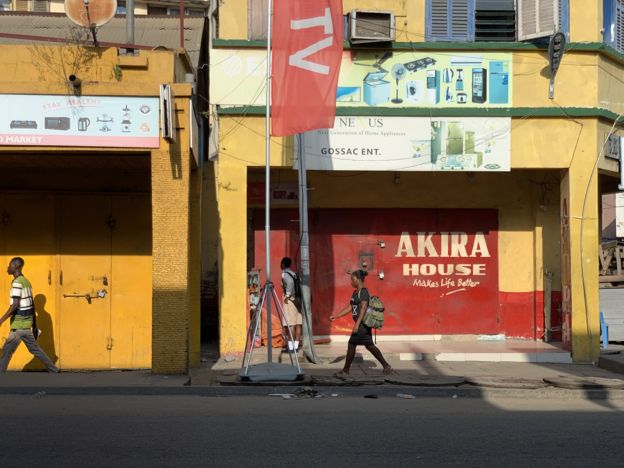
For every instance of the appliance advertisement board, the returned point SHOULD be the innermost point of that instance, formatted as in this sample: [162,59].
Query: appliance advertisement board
[373,79]
[476,144]
[86,121]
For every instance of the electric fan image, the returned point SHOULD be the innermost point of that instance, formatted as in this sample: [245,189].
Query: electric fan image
[398,73]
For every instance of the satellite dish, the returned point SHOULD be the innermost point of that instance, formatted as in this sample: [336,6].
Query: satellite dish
[89,13]
[398,73]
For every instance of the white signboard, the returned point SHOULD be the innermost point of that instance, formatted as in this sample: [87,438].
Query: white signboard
[410,144]
[90,121]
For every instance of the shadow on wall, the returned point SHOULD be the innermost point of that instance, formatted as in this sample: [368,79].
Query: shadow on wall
[46,340]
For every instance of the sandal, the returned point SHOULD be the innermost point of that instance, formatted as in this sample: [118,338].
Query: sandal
[389,371]
[342,375]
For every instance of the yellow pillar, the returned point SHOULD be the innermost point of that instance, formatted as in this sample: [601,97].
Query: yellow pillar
[231,182]
[175,288]
[579,188]
[170,234]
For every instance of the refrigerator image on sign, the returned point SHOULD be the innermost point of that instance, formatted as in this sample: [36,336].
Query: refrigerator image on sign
[453,148]
[499,82]
[479,85]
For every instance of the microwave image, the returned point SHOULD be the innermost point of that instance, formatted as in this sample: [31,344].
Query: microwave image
[57,123]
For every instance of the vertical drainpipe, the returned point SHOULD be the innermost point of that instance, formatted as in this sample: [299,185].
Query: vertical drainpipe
[130,24]
[548,277]
[181,24]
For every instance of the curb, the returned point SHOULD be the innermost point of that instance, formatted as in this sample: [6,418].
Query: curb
[464,391]
[610,364]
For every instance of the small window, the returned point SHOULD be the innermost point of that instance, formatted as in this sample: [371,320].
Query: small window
[496,20]
[187,12]
[614,24]
[538,18]
[5,5]
[450,20]
[121,8]
[38,6]
[258,20]
[156,10]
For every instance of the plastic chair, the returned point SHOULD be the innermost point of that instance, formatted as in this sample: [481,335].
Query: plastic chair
[604,331]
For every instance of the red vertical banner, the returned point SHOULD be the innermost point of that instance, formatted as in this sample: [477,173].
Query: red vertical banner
[307,51]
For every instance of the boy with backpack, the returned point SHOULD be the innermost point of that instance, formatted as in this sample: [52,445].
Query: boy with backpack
[291,305]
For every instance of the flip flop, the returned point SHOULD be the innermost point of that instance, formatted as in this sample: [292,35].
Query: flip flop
[390,371]
[342,375]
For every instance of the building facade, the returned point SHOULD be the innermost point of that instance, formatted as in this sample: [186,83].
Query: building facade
[102,204]
[469,195]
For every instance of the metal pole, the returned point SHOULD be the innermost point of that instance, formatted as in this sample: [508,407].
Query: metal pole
[267,178]
[181,24]
[130,21]
[308,335]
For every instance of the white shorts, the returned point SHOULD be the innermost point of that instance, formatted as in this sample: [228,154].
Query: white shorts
[291,314]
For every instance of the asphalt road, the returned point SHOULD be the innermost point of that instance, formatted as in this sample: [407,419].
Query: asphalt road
[93,431]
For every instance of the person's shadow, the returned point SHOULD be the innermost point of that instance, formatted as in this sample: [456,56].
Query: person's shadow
[46,340]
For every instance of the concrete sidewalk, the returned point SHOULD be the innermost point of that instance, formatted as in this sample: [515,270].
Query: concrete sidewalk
[429,377]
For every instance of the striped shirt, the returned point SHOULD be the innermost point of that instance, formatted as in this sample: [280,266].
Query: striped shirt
[21,290]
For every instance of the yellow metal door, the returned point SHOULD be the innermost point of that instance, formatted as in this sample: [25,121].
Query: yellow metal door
[131,287]
[28,222]
[4,289]
[85,269]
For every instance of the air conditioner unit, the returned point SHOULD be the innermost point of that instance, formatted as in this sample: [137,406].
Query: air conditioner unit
[371,26]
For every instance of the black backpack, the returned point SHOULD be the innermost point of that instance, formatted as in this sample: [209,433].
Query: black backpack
[297,300]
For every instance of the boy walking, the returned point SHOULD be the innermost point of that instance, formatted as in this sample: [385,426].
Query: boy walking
[292,315]
[23,319]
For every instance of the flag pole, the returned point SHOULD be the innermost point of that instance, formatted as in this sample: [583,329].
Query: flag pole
[267,177]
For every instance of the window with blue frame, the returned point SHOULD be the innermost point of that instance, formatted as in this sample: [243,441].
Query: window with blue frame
[495,20]
[613,16]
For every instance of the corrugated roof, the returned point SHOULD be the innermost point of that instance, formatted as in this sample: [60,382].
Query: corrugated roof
[151,31]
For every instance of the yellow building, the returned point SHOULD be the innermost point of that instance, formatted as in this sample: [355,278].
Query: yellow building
[100,205]
[500,160]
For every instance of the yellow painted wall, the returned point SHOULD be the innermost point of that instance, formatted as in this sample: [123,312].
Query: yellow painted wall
[176,262]
[576,83]
[231,182]
[585,21]
[233,19]
[580,186]
[43,69]
[611,85]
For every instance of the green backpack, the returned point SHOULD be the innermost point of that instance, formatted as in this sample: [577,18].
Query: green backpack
[374,317]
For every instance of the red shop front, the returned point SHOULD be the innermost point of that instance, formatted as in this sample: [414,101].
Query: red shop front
[435,269]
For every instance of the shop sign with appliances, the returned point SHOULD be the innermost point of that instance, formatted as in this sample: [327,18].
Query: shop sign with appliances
[410,144]
[381,79]
[86,121]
